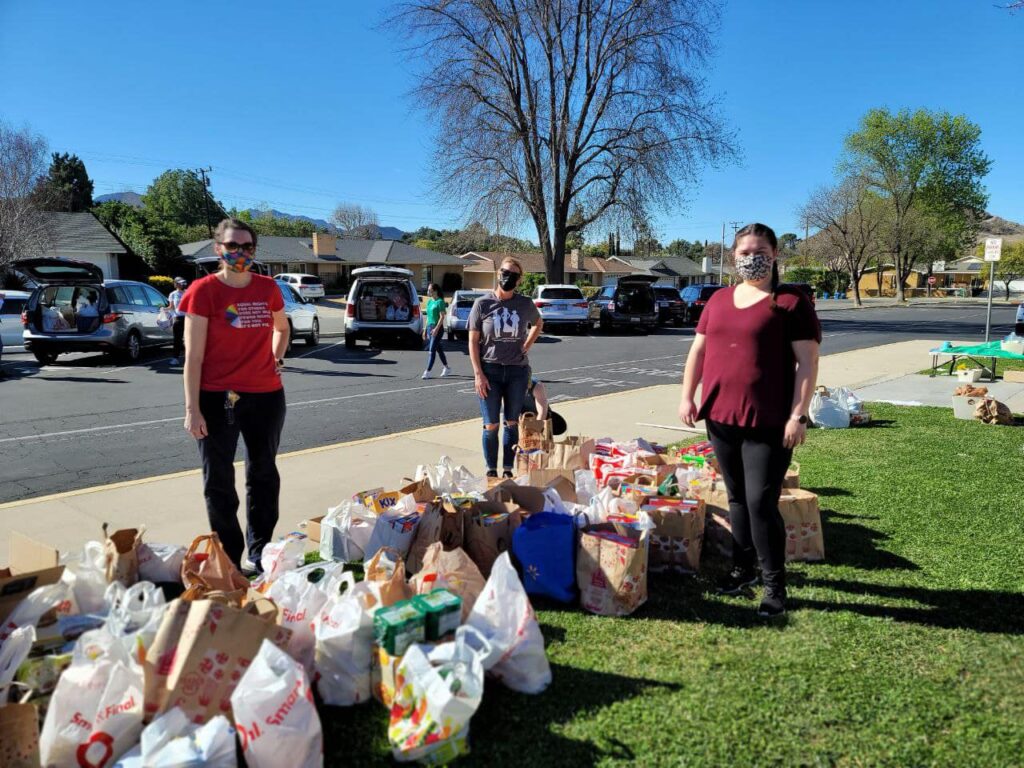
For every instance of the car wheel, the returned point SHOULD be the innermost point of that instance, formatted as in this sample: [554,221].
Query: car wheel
[350,341]
[314,336]
[45,358]
[133,347]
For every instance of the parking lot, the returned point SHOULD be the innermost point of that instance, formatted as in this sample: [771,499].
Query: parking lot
[86,420]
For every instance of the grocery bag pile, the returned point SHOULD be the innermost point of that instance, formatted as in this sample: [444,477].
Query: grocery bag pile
[137,654]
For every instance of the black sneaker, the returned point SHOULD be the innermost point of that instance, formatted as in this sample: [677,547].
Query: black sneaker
[773,603]
[507,474]
[492,473]
[737,580]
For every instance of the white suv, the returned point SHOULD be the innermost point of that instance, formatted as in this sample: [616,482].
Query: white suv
[383,306]
[562,305]
[308,286]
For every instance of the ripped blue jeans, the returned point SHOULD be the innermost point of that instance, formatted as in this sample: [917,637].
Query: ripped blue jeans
[507,388]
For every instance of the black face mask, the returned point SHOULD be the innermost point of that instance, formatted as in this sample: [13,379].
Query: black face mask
[507,280]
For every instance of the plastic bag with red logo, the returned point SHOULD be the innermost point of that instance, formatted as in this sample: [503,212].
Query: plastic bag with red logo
[299,596]
[95,714]
[275,714]
[344,643]
[59,598]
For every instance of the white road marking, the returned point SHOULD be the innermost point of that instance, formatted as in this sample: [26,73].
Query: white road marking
[315,351]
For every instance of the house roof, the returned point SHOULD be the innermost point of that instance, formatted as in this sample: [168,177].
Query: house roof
[299,250]
[82,232]
[670,266]
[487,261]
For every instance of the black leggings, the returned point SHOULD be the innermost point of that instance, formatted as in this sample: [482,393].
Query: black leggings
[258,418]
[754,463]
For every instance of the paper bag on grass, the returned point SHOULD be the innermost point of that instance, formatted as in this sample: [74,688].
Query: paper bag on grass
[207,567]
[677,538]
[452,570]
[387,569]
[611,571]
[19,736]
[804,539]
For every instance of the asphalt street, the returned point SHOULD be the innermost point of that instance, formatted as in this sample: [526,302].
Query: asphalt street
[85,421]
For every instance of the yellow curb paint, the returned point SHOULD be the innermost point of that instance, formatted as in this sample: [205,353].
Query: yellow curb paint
[289,455]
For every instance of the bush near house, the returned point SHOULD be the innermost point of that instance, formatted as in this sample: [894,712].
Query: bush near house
[162,283]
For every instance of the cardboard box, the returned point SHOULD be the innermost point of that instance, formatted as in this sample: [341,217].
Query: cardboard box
[963,407]
[312,528]
[32,565]
[1014,376]
[969,376]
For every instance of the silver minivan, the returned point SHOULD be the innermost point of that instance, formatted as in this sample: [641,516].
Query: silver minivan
[73,309]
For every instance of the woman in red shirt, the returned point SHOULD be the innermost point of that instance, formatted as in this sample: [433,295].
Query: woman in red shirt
[756,355]
[236,335]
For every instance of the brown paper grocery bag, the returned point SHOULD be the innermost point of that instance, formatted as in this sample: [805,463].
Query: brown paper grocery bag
[533,432]
[572,453]
[488,532]
[420,490]
[121,554]
[804,539]
[199,654]
[612,577]
[453,570]
[207,567]
[19,736]
[427,532]
[388,569]
[792,479]
[677,539]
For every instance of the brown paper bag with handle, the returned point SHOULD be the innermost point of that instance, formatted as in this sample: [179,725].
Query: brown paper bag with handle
[200,652]
[488,532]
[802,518]
[533,432]
[792,479]
[427,533]
[677,539]
[611,574]
[207,567]
[388,569]
[121,554]
[572,453]
[19,736]
[455,571]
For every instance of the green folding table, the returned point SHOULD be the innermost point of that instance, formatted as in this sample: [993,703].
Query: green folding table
[990,350]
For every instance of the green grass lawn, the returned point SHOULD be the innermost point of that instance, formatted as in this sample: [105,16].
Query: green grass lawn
[906,648]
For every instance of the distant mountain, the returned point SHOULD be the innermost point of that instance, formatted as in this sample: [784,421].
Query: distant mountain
[386,233]
[995,226]
[134,199]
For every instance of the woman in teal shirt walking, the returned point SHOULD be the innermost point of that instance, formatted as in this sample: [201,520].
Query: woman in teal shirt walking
[433,332]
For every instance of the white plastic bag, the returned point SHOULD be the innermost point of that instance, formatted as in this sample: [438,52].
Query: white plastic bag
[134,615]
[59,597]
[504,615]
[826,413]
[13,652]
[160,562]
[172,741]
[273,708]
[586,486]
[345,532]
[606,503]
[395,528]
[441,692]
[95,714]
[299,601]
[283,555]
[344,644]
[85,572]
[447,477]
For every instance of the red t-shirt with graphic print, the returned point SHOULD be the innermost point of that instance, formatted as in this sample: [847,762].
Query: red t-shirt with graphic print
[749,365]
[239,333]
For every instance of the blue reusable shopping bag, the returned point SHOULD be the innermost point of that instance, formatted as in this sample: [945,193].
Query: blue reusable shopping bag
[545,547]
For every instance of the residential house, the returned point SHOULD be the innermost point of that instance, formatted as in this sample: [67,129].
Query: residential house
[482,265]
[333,258]
[675,271]
[83,237]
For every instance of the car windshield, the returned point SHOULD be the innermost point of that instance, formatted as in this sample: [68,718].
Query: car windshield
[706,293]
[561,293]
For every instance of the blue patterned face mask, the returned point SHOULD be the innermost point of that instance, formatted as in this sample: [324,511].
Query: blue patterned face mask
[754,267]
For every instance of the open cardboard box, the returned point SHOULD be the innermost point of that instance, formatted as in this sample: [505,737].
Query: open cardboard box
[32,565]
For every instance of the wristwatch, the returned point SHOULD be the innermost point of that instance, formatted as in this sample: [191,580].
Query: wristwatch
[801,418]
[280,362]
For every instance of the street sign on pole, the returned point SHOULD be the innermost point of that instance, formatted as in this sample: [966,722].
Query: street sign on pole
[993,248]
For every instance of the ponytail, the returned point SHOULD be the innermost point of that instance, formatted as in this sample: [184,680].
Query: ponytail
[775,283]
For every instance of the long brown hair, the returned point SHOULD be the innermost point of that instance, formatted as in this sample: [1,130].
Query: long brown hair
[227,224]
[762,230]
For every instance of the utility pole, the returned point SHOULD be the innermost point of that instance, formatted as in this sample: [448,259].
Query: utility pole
[721,257]
[206,196]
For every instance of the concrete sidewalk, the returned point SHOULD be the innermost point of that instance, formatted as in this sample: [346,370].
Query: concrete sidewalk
[171,506]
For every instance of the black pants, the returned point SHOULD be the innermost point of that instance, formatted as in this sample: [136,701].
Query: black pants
[258,418]
[178,329]
[754,463]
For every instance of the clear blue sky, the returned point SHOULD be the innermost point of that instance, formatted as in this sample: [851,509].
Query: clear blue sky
[300,105]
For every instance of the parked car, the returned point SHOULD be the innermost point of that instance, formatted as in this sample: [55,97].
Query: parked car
[73,309]
[383,306]
[308,286]
[806,288]
[695,297]
[12,304]
[629,304]
[303,320]
[456,319]
[671,307]
[562,305]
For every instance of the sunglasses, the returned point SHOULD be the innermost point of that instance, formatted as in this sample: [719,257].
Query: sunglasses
[233,247]
[507,272]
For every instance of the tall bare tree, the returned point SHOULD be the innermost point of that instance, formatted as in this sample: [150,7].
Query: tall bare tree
[357,221]
[546,106]
[24,228]
[848,218]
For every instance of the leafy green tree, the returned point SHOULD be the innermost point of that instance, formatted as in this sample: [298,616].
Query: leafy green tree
[1010,266]
[268,225]
[927,167]
[67,186]
[788,242]
[155,244]
[178,197]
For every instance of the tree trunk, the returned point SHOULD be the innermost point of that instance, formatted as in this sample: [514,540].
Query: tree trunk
[855,285]
[1007,284]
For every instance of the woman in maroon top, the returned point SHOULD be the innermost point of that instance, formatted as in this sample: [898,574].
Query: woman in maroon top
[756,356]
[236,335]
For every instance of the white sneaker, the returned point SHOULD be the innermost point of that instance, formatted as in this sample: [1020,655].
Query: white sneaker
[445,371]
[427,375]
[174,361]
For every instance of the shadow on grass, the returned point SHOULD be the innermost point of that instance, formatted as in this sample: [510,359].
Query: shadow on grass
[974,609]
[507,725]
[848,543]
[831,491]
[879,424]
